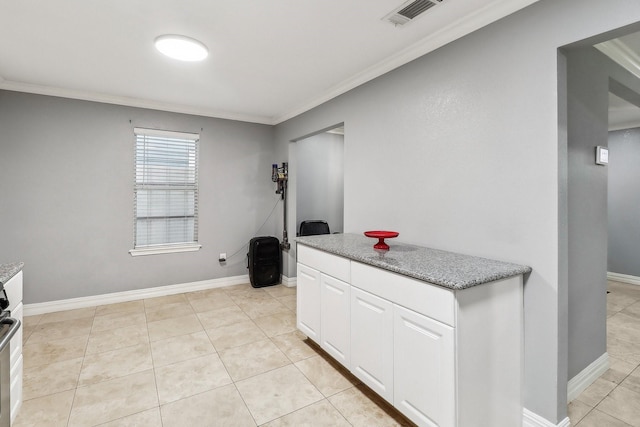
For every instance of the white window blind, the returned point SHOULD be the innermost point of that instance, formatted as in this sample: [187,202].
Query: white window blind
[166,189]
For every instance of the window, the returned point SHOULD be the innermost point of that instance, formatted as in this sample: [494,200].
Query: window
[165,192]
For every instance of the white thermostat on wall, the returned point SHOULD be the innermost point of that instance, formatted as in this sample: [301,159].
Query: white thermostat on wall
[602,155]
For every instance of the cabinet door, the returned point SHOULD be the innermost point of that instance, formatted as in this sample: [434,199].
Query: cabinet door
[372,342]
[424,363]
[335,318]
[308,302]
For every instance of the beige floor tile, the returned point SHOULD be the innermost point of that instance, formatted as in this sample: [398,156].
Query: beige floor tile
[50,411]
[50,379]
[194,376]
[596,418]
[633,310]
[276,393]
[624,350]
[295,346]
[277,324]
[107,365]
[280,291]
[164,329]
[632,382]
[235,335]
[617,301]
[618,370]
[121,307]
[44,353]
[222,316]
[113,399]
[251,296]
[259,308]
[31,321]
[183,347]
[289,301]
[577,410]
[360,410]
[208,303]
[205,293]
[63,329]
[114,339]
[619,288]
[198,410]
[253,359]
[327,378]
[167,299]
[118,320]
[149,418]
[168,311]
[623,404]
[624,327]
[240,289]
[596,392]
[68,315]
[320,414]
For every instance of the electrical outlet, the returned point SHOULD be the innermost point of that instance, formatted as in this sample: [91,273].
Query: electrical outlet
[222,257]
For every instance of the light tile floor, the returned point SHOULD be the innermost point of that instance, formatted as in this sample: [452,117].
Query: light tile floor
[613,400]
[220,357]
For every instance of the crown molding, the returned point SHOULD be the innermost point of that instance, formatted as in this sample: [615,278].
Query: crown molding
[622,54]
[484,16]
[129,101]
[490,13]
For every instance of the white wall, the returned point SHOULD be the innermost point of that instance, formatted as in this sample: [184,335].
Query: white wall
[472,133]
[320,180]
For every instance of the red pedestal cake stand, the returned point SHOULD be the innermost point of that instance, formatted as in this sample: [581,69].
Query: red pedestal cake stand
[381,235]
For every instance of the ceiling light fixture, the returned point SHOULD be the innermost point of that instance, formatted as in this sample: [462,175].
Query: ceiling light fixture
[181,48]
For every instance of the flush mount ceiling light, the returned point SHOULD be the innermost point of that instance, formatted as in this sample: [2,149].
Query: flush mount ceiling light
[181,48]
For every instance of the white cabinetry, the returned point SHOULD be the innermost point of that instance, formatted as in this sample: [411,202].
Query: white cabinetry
[308,302]
[423,368]
[372,342]
[14,291]
[442,357]
[335,336]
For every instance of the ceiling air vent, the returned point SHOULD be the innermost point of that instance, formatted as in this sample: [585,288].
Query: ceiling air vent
[409,11]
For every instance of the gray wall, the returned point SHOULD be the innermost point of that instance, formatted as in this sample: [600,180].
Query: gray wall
[472,136]
[591,75]
[320,179]
[624,202]
[66,182]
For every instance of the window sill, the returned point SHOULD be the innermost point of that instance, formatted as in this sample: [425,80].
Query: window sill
[165,249]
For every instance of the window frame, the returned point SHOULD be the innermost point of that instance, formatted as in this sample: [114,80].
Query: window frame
[164,248]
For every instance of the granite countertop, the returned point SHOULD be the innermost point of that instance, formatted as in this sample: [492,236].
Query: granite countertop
[448,269]
[7,271]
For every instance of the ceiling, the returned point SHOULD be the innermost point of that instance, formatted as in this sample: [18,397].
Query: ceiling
[269,60]
[626,52]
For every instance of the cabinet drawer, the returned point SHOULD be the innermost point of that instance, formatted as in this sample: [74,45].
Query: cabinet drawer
[333,265]
[424,298]
[15,346]
[16,388]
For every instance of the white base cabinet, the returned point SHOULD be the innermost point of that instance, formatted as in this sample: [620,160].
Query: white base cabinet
[335,337]
[442,357]
[372,342]
[13,287]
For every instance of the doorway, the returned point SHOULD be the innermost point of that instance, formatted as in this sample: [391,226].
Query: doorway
[320,178]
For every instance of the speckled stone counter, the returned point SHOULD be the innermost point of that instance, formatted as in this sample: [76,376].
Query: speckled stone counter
[447,269]
[7,271]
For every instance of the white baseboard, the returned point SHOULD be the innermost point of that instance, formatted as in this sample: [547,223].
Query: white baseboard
[587,376]
[289,282]
[116,297]
[531,419]
[624,278]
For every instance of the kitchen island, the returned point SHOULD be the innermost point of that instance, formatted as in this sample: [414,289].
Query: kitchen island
[437,334]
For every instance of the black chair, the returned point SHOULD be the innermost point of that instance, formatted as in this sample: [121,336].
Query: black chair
[313,228]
